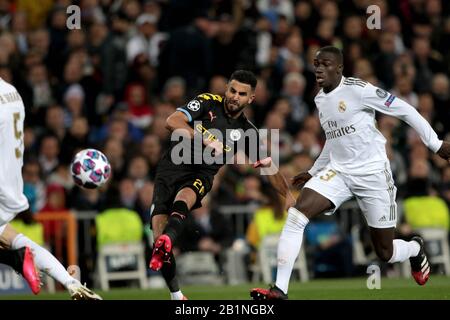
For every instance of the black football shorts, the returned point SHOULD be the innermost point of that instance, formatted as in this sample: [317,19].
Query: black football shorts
[167,185]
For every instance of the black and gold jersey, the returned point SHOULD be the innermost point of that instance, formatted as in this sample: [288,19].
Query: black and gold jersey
[206,115]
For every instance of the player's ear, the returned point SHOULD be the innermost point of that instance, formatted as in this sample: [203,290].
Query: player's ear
[252,97]
[340,68]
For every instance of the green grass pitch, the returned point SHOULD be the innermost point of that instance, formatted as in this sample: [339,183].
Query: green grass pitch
[437,288]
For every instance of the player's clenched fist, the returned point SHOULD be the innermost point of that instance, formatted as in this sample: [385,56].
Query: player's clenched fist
[300,179]
[444,151]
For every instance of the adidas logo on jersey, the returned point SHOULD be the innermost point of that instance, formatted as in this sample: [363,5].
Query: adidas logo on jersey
[382,219]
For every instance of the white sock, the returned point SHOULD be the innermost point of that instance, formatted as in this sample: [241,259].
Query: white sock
[404,250]
[44,260]
[289,246]
[176,295]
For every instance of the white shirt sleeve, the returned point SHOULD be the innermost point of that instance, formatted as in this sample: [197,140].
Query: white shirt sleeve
[384,102]
[321,161]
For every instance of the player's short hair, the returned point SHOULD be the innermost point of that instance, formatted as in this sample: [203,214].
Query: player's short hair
[335,51]
[245,76]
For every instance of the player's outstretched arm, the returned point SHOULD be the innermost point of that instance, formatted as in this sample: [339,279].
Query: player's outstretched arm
[444,151]
[179,121]
[384,102]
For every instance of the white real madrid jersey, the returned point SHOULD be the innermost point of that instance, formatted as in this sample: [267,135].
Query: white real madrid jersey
[353,143]
[12,115]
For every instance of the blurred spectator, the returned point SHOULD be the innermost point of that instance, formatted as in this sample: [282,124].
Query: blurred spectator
[267,220]
[426,62]
[250,191]
[331,249]
[56,203]
[144,200]
[158,128]
[127,193]
[441,97]
[306,141]
[228,37]
[151,150]
[40,92]
[74,104]
[174,91]
[274,9]
[263,41]
[48,154]
[275,120]
[421,200]
[62,176]
[138,170]
[188,54]
[397,163]
[34,183]
[114,150]
[262,102]
[83,199]
[54,121]
[217,85]
[293,90]
[75,139]
[120,129]
[393,25]
[385,59]
[19,29]
[403,88]
[363,69]
[148,39]
[138,105]
[36,11]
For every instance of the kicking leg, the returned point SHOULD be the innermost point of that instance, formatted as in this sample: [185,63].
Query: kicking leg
[184,200]
[393,250]
[168,270]
[308,205]
[166,231]
[47,263]
[21,260]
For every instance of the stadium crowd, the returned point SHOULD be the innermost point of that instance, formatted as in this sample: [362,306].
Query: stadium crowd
[112,84]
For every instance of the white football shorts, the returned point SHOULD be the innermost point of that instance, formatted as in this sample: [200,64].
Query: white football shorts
[375,193]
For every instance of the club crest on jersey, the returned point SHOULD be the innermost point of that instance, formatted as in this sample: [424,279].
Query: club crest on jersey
[193,105]
[235,135]
[381,93]
[342,107]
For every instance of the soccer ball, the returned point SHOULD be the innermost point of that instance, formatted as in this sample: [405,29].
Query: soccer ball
[90,168]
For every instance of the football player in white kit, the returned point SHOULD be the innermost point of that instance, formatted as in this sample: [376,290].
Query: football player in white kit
[353,163]
[23,254]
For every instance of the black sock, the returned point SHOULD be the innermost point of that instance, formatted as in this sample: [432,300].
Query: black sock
[169,273]
[11,258]
[175,224]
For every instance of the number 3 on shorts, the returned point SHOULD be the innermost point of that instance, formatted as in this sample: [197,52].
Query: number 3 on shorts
[328,175]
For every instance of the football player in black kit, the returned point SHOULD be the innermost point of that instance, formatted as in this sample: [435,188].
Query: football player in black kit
[218,123]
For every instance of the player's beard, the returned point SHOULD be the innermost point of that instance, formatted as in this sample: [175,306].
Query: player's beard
[234,109]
